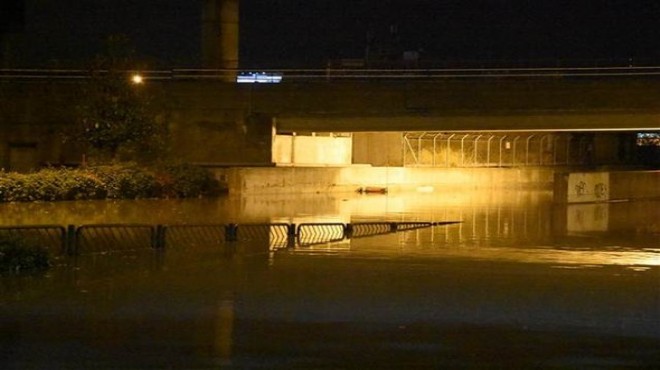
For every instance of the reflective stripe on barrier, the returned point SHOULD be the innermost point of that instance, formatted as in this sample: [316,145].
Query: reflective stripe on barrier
[276,235]
[309,233]
[364,229]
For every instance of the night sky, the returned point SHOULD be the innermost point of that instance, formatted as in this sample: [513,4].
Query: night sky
[308,33]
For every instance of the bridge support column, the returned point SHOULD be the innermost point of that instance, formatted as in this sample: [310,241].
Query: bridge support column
[220,28]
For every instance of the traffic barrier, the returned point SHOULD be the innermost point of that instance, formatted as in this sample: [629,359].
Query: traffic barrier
[190,236]
[113,237]
[262,237]
[365,229]
[276,235]
[320,233]
[51,237]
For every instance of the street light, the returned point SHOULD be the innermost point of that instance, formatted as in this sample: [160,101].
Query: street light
[137,79]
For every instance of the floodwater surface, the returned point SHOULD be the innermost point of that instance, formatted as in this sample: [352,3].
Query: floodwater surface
[520,282]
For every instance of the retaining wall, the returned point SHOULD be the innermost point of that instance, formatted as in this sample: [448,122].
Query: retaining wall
[586,187]
[312,150]
[274,180]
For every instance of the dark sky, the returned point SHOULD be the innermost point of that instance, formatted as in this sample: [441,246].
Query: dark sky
[306,33]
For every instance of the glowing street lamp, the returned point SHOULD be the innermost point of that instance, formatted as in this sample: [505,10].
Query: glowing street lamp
[137,79]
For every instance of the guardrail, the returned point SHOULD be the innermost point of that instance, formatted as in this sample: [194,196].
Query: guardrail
[51,237]
[340,73]
[101,238]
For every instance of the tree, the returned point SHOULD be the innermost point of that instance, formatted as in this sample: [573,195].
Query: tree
[115,117]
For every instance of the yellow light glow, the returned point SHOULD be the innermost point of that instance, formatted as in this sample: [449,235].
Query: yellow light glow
[137,79]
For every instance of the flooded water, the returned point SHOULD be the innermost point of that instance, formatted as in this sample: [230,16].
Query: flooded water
[520,282]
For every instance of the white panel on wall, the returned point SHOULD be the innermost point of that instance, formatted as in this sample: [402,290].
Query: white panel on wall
[588,187]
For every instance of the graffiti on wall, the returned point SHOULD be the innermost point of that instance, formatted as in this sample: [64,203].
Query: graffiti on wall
[586,187]
[587,217]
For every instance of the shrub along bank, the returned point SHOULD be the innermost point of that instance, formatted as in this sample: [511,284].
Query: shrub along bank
[118,181]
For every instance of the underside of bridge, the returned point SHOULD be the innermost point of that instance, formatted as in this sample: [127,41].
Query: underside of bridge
[457,149]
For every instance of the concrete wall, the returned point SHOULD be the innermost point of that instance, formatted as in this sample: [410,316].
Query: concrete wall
[586,187]
[32,120]
[378,148]
[634,185]
[210,122]
[231,138]
[207,121]
[259,180]
[311,150]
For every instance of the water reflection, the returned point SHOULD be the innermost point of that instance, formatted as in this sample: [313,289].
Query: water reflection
[518,283]
[521,225]
[540,233]
[283,208]
[124,310]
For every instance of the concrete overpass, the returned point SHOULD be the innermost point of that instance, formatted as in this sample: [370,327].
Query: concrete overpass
[476,103]
[550,99]
[237,121]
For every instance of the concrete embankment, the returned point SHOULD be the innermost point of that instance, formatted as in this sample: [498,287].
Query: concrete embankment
[281,180]
[586,187]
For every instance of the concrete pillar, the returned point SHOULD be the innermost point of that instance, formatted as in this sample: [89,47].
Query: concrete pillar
[220,34]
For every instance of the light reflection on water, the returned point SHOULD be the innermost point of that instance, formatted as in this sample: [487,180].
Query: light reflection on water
[523,226]
[518,283]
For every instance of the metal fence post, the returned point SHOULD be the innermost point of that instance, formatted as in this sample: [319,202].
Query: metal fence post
[348,231]
[463,149]
[231,232]
[513,159]
[476,146]
[488,150]
[404,141]
[501,139]
[530,137]
[419,149]
[291,235]
[447,152]
[70,240]
[159,237]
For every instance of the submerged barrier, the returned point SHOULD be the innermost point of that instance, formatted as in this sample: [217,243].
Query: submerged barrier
[51,237]
[99,238]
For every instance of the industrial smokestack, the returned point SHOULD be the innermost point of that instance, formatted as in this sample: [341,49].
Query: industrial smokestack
[220,34]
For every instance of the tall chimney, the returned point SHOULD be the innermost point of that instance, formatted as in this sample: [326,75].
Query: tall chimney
[220,34]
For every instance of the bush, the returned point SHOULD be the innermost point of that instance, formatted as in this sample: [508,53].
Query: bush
[184,180]
[50,185]
[78,185]
[18,255]
[125,181]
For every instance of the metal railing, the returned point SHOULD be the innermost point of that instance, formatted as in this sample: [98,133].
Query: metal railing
[191,236]
[51,237]
[113,237]
[345,73]
[464,149]
[265,237]
[310,234]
